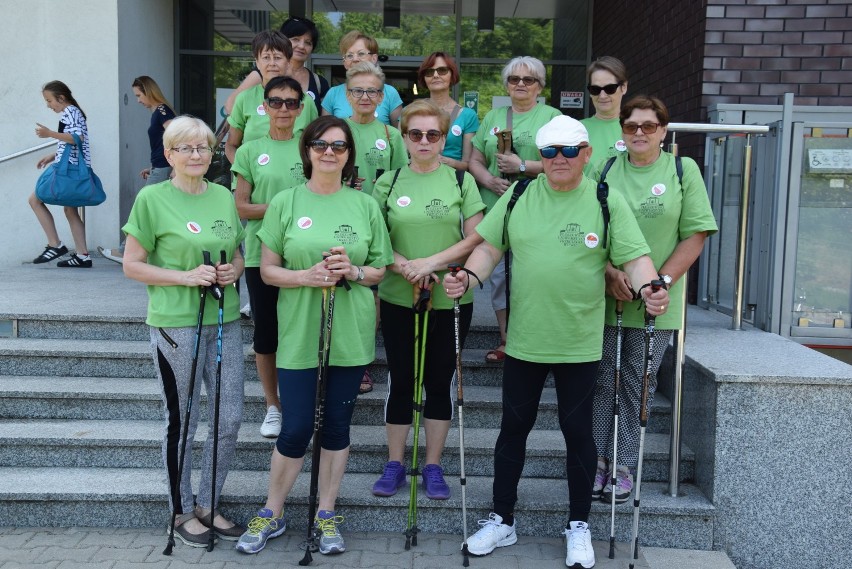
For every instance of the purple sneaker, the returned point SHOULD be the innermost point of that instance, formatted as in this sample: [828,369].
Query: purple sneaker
[601,478]
[392,479]
[433,481]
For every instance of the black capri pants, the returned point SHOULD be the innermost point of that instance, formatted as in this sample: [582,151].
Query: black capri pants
[264,312]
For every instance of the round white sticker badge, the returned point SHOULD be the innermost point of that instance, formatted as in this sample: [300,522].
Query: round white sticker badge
[456,130]
[312,95]
[193,227]
[403,201]
[260,110]
[305,222]
[658,189]
[620,146]
[381,144]
[591,240]
[495,130]
[263,159]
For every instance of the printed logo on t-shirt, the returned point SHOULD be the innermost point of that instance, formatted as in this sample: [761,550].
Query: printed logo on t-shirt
[260,110]
[297,172]
[345,236]
[658,189]
[193,227]
[456,130]
[651,208]
[375,157]
[436,209]
[591,240]
[521,139]
[263,159]
[403,201]
[381,144]
[620,146]
[304,222]
[222,230]
[572,235]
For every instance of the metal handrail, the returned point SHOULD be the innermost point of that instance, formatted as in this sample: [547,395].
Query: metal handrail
[26,151]
[680,335]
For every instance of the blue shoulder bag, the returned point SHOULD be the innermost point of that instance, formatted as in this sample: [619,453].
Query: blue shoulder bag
[71,185]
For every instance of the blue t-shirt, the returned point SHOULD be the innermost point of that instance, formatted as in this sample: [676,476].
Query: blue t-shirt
[161,115]
[336,103]
[466,123]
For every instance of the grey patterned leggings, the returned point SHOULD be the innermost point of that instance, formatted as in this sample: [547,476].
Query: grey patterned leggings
[630,392]
[172,349]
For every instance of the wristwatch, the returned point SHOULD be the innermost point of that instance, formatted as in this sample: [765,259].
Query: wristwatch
[360,275]
[523,167]
[667,279]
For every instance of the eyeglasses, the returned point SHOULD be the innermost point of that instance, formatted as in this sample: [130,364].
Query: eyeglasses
[528,81]
[432,135]
[358,93]
[610,89]
[320,146]
[278,102]
[433,70]
[647,127]
[357,55]
[567,151]
[188,150]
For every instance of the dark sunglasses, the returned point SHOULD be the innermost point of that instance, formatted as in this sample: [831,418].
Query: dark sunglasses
[647,127]
[431,135]
[277,102]
[433,70]
[608,89]
[567,151]
[320,146]
[528,81]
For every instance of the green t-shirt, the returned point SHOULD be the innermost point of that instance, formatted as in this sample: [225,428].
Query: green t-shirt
[524,128]
[424,214]
[605,138]
[174,227]
[269,166]
[667,214]
[377,147]
[558,263]
[249,116]
[299,225]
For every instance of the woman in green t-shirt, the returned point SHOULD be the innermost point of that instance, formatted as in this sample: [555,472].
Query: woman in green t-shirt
[674,214]
[428,213]
[170,225]
[607,85]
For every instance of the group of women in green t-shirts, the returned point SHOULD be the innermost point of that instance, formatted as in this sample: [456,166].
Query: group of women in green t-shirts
[329,191]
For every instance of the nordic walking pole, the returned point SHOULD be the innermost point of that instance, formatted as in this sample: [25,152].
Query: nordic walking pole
[643,418]
[326,322]
[619,331]
[454,269]
[422,305]
[223,259]
[191,389]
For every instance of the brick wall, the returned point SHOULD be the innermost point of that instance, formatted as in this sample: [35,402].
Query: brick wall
[758,50]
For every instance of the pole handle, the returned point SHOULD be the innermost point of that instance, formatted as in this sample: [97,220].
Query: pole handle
[214,289]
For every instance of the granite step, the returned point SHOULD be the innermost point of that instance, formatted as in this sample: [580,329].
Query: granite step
[63,397]
[137,444]
[136,497]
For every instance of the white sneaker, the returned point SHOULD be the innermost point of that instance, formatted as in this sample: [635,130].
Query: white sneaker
[272,423]
[110,254]
[494,534]
[580,553]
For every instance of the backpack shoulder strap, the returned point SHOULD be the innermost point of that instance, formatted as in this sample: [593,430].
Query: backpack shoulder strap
[679,170]
[460,180]
[603,194]
[455,113]
[517,192]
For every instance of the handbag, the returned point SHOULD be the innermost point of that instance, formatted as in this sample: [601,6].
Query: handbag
[219,171]
[70,185]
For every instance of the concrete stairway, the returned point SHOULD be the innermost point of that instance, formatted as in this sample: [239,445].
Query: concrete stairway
[81,429]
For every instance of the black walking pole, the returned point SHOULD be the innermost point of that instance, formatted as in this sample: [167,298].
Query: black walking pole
[643,418]
[619,312]
[182,454]
[216,401]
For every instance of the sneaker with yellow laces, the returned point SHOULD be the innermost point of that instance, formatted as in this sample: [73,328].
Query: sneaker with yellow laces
[330,540]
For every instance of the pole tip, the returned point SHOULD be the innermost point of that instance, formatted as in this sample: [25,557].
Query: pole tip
[306,560]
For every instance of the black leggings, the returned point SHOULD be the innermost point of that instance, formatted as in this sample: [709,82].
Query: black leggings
[439,368]
[522,386]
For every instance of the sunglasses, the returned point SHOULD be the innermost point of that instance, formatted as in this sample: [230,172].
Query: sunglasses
[358,93]
[431,135]
[320,146]
[647,127]
[433,70]
[610,89]
[528,81]
[567,151]
[277,102]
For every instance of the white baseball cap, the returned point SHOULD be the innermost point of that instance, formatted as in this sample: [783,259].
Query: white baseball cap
[561,131]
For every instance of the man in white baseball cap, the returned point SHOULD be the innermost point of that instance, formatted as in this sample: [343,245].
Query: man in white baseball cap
[557,320]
